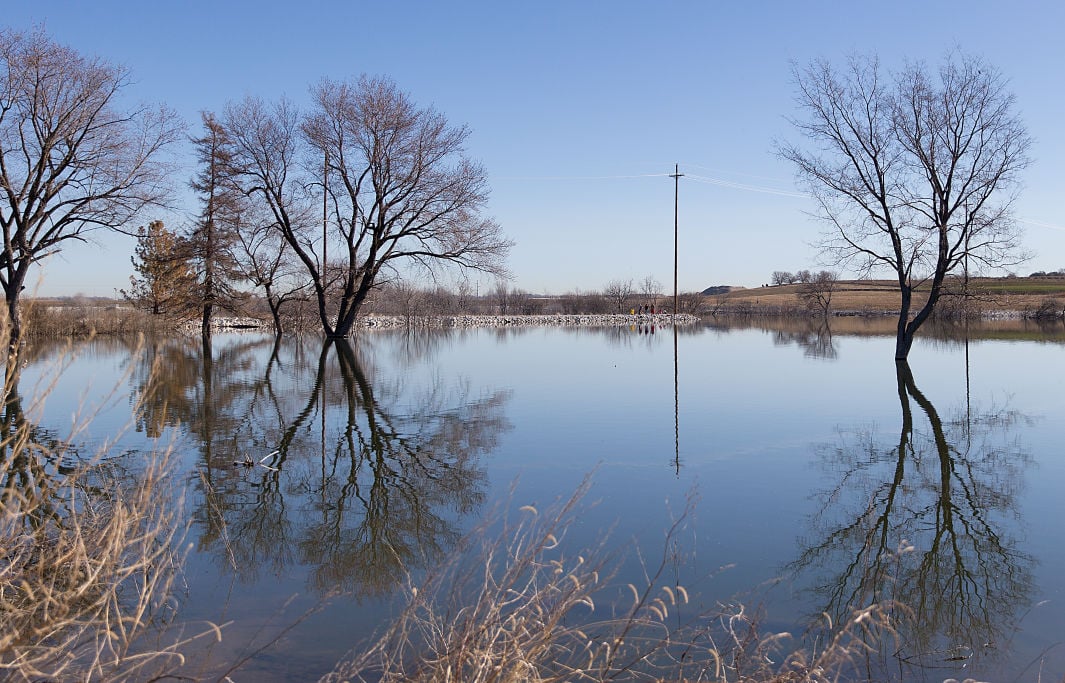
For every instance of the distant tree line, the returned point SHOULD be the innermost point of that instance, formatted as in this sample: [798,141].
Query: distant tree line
[815,289]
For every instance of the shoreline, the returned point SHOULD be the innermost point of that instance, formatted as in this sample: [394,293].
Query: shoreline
[372,321]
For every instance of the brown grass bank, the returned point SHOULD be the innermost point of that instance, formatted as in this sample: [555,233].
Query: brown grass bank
[986,297]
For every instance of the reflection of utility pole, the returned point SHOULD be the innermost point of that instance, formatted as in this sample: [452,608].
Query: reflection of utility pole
[676,403]
[325,226]
[676,203]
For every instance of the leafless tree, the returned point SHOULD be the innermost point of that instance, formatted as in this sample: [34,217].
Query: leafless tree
[782,277]
[913,173]
[816,289]
[263,259]
[692,303]
[501,292]
[651,288]
[265,151]
[619,292]
[403,195]
[70,160]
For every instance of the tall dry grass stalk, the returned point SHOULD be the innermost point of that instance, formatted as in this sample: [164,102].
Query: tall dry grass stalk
[520,608]
[87,558]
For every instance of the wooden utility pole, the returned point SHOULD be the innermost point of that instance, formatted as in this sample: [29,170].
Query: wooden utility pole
[325,214]
[676,176]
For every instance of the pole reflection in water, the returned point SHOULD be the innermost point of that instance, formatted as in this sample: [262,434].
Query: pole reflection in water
[920,526]
[383,494]
[676,404]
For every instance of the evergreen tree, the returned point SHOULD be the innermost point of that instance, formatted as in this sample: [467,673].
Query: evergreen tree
[163,278]
[210,242]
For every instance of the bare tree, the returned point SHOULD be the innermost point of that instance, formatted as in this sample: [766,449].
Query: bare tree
[262,258]
[913,174]
[501,293]
[651,288]
[816,290]
[692,303]
[283,223]
[402,192]
[70,160]
[782,277]
[619,292]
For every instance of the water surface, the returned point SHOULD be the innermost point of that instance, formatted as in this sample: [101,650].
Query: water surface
[826,478]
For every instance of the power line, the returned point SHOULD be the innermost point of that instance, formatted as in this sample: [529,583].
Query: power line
[1040,224]
[707,180]
[588,177]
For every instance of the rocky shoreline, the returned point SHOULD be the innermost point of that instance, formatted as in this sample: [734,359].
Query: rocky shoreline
[472,321]
[556,320]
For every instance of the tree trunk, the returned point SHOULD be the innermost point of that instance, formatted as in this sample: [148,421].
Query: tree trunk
[205,324]
[13,295]
[903,342]
[903,335]
[275,313]
[346,323]
[14,318]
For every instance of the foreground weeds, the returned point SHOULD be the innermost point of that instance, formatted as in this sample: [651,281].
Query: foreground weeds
[520,607]
[84,574]
[87,556]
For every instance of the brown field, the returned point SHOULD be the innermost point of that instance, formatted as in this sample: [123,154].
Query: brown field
[881,296]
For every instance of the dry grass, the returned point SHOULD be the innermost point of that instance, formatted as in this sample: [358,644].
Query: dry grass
[875,297]
[87,558]
[43,318]
[85,575]
[522,609]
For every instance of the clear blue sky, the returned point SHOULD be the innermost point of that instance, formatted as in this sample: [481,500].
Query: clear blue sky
[578,110]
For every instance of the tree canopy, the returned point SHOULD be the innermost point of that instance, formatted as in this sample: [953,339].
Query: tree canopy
[913,172]
[71,160]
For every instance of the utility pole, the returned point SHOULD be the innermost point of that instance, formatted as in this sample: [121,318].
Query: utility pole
[676,176]
[325,214]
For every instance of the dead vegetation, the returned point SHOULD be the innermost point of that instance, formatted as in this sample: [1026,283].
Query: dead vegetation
[521,607]
[88,556]
[980,297]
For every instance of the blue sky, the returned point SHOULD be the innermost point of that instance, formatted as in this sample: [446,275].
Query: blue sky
[579,110]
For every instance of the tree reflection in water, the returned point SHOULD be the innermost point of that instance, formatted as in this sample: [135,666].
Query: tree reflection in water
[926,524]
[349,474]
[814,337]
[30,457]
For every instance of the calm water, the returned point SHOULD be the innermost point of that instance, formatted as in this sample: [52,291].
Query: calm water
[813,461]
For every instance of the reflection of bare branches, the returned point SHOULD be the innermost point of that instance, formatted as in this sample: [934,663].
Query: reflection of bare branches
[379,496]
[86,557]
[815,337]
[924,524]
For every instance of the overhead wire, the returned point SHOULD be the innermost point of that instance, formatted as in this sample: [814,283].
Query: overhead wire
[719,182]
[707,180]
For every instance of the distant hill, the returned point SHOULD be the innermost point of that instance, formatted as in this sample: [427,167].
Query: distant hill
[719,289]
